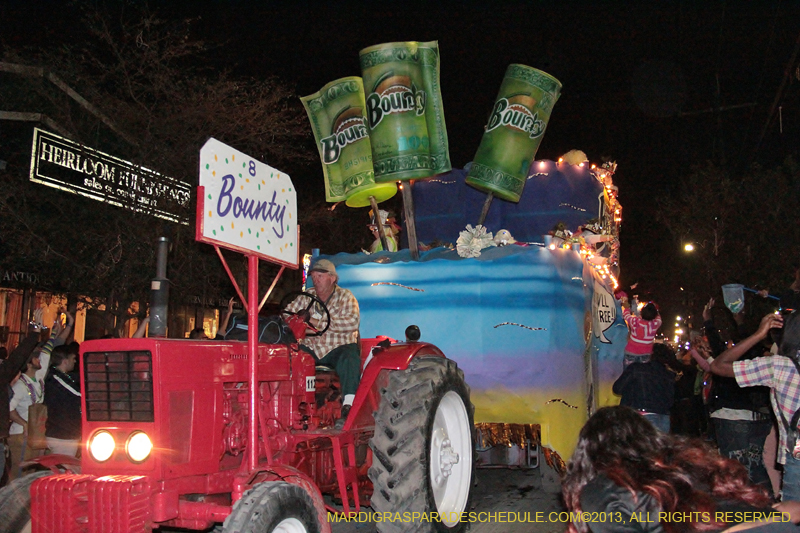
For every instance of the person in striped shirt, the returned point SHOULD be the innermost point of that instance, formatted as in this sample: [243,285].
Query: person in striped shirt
[779,373]
[642,331]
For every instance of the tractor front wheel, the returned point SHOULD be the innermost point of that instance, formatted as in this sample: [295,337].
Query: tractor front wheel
[423,446]
[273,507]
[15,503]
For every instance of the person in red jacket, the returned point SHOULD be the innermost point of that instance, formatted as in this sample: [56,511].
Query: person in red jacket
[642,331]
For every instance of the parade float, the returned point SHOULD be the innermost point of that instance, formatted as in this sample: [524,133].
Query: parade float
[242,435]
[518,290]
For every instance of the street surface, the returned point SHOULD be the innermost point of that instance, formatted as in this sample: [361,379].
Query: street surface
[515,492]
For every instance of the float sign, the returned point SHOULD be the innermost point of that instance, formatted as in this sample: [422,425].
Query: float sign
[64,164]
[604,311]
[246,206]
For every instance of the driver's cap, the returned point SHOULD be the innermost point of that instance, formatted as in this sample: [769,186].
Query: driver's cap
[323,265]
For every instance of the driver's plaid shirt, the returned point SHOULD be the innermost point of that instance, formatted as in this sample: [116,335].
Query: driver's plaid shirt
[780,375]
[345,319]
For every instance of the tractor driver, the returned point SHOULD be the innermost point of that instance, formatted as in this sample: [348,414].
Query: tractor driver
[338,346]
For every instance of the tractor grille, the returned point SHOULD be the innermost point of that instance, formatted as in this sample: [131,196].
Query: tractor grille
[119,386]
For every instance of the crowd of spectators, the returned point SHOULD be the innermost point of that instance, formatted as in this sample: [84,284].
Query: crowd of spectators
[735,387]
[39,372]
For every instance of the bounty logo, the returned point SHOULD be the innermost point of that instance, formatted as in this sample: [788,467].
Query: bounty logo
[515,112]
[394,94]
[348,127]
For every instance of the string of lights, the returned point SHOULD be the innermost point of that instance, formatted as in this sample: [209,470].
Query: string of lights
[606,230]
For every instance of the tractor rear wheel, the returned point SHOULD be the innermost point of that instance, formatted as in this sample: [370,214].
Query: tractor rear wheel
[273,507]
[15,503]
[423,446]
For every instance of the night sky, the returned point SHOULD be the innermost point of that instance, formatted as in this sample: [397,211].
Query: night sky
[640,79]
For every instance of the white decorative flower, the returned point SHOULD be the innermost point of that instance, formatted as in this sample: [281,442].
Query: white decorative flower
[472,240]
[575,157]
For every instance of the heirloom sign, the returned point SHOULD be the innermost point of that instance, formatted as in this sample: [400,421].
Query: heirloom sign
[66,165]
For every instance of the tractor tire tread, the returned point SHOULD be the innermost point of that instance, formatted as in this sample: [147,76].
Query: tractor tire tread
[15,502]
[265,504]
[400,444]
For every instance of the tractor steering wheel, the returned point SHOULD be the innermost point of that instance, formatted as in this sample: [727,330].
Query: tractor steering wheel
[305,313]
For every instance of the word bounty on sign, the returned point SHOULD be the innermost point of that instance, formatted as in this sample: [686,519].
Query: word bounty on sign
[246,205]
[247,208]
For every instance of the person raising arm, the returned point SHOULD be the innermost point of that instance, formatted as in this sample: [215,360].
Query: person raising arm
[781,373]
[723,365]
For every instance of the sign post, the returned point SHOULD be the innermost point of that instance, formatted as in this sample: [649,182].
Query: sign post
[249,207]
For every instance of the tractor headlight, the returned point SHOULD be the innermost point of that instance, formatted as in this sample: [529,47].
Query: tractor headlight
[101,446]
[138,447]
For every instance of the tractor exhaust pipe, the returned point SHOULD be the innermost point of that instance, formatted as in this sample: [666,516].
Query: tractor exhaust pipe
[159,292]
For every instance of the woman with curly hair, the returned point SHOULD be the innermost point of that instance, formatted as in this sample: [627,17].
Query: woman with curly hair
[642,480]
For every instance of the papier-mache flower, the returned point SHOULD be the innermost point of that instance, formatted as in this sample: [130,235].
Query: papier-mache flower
[472,240]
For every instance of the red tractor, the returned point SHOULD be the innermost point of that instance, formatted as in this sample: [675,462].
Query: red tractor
[167,426]
[201,434]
